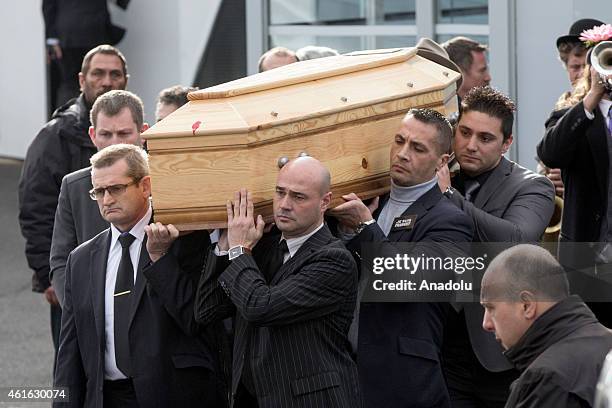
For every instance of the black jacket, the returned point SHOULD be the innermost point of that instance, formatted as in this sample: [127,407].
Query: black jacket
[560,358]
[578,147]
[293,329]
[173,361]
[80,23]
[61,147]
[399,344]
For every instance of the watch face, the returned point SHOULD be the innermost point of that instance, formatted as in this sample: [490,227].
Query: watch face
[234,252]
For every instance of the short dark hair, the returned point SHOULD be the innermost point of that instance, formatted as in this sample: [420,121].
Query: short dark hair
[532,268]
[175,95]
[442,125]
[103,49]
[460,49]
[568,48]
[113,102]
[492,102]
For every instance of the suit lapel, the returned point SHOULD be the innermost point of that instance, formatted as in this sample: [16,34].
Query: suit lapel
[419,208]
[596,135]
[503,170]
[319,239]
[140,284]
[98,261]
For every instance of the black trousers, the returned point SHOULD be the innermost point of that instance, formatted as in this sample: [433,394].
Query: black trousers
[56,325]
[119,394]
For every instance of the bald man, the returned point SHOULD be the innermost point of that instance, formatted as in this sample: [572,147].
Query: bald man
[276,57]
[292,292]
[552,338]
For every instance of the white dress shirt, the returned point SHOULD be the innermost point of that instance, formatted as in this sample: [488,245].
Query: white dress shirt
[293,244]
[111,372]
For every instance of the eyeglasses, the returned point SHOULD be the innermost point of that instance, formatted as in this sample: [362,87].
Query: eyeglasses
[114,190]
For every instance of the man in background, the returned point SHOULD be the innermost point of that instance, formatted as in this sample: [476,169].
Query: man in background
[116,117]
[276,57]
[73,27]
[170,99]
[572,54]
[61,147]
[471,58]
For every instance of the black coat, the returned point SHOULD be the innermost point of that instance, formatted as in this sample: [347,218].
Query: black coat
[399,344]
[61,147]
[578,147]
[173,359]
[80,23]
[560,358]
[295,327]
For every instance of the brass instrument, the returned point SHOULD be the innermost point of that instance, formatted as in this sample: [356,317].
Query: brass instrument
[551,234]
[601,60]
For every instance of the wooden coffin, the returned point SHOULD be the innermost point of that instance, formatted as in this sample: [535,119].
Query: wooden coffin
[342,110]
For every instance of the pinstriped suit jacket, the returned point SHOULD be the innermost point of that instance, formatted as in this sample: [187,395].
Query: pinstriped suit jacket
[294,329]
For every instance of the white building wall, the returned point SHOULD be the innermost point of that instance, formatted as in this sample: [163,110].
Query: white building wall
[23,100]
[163,46]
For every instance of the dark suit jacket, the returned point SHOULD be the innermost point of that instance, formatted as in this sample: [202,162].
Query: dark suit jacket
[399,344]
[295,328]
[79,23]
[77,219]
[172,361]
[578,146]
[514,205]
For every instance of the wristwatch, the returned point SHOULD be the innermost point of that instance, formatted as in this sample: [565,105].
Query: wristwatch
[448,193]
[236,251]
[361,226]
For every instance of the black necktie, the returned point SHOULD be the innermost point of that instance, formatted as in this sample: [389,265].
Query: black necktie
[123,289]
[471,188]
[276,260]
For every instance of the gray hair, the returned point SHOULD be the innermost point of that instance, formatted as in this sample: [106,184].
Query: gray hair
[136,158]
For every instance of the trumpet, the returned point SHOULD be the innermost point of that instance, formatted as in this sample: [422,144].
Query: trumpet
[601,60]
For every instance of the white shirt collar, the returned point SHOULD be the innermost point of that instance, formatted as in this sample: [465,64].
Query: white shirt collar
[294,244]
[137,230]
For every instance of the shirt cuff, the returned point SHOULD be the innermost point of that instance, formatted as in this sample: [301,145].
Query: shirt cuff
[589,115]
[52,41]
[345,236]
[219,252]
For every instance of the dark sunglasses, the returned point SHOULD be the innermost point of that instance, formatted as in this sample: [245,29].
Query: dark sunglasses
[114,190]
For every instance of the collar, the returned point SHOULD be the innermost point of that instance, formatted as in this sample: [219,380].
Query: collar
[604,107]
[137,230]
[294,244]
[552,326]
[412,193]
[482,177]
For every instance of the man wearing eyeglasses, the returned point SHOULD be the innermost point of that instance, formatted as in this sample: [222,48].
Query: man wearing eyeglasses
[129,336]
[61,147]
[116,117]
